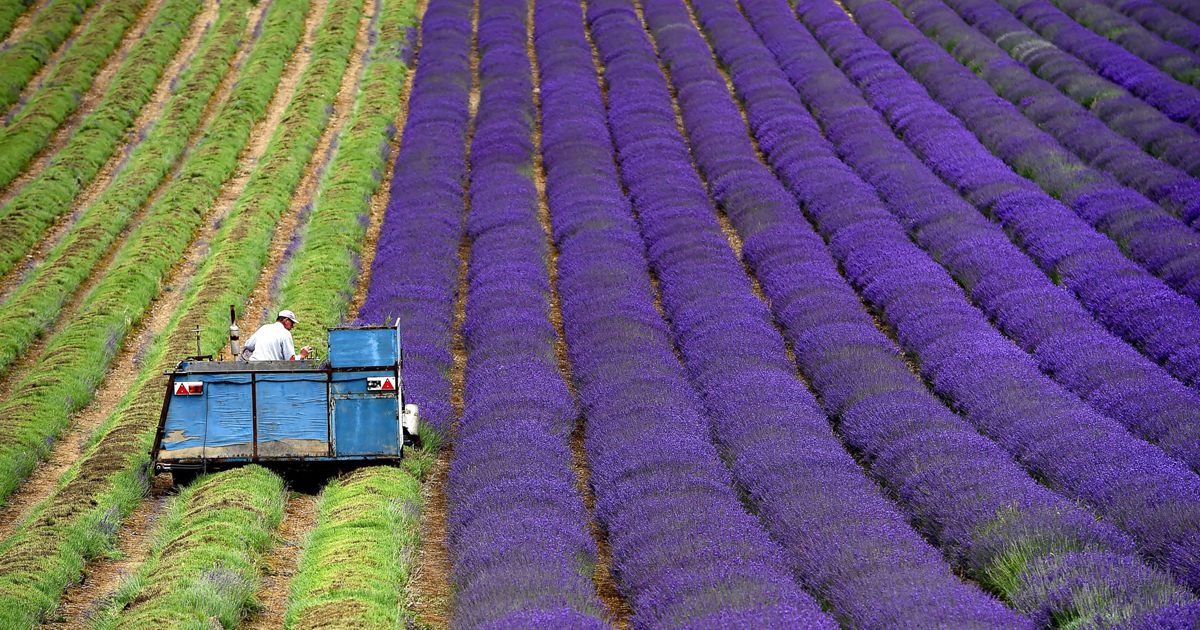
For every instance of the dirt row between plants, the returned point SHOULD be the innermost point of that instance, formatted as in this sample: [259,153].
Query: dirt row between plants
[43,73]
[134,541]
[127,364]
[104,574]
[134,136]
[258,307]
[300,517]
[432,590]
[87,103]
[22,23]
[606,586]
[300,514]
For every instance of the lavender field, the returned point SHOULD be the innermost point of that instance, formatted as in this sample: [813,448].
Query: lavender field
[755,314]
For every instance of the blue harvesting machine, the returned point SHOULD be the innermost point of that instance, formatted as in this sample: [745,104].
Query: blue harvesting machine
[347,409]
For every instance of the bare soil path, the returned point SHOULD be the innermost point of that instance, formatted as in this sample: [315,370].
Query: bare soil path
[300,517]
[22,23]
[259,306]
[431,579]
[127,364]
[43,73]
[103,574]
[88,102]
[28,360]
[134,541]
[602,576]
[137,132]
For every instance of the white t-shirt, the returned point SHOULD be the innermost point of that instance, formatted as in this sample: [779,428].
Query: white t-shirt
[272,342]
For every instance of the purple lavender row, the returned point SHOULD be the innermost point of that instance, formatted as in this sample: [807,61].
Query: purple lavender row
[1077,116]
[847,543]
[1043,554]
[415,273]
[517,528]
[1043,318]
[1076,451]
[1185,8]
[1179,101]
[1145,232]
[1166,56]
[686,553]
[1161,20]
[1121,295]
[1066,121]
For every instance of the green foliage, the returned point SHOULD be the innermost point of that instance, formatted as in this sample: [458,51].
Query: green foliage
[36,302]
[356,564]
[323,270]
[76,164]
[65,87]
[205,561]
[47,32]
[77,356]
[10,10]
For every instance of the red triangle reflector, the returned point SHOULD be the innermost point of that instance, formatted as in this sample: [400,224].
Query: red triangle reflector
[182,391]
[387,384]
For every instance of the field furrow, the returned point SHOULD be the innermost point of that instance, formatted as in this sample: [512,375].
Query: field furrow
[1019,298]
[117,485]
[73,75]
[82,170]
[1178,100]
[84,604]
[280,562]
[204,567]
[1079,451]
[1181,64]
[152,168]
[15,16]
[1146,233]
[881,408]
[661,491]
[1068,116]
[92,97]
[520,548]
[52,31]
[1160,20]
[810,494]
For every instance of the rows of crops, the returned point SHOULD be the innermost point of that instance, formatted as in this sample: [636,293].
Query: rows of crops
[719,313]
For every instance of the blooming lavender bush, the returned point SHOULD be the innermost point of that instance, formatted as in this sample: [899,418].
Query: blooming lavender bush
[685,552]
[964,492]
[847,543]
[517,526]
[1073,449]
[1179,101]
[1045,319]
[1161,20]
[415,273]
[1121,295]
[1146,232]
[1181,64]
[1079,124]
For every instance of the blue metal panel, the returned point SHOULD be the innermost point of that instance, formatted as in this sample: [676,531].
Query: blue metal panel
[230,422]
[366,426]
[362,347]
[293,415]
[184,427]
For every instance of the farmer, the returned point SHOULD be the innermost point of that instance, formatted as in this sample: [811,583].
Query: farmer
[273,342]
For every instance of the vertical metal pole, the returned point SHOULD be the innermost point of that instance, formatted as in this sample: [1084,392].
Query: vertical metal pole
[254,411]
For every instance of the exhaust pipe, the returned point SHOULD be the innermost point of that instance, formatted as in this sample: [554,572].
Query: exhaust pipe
[234,344]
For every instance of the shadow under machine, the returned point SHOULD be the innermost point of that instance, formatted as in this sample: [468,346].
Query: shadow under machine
[347,409]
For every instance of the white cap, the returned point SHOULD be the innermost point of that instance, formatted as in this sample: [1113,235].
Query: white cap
[288,314]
